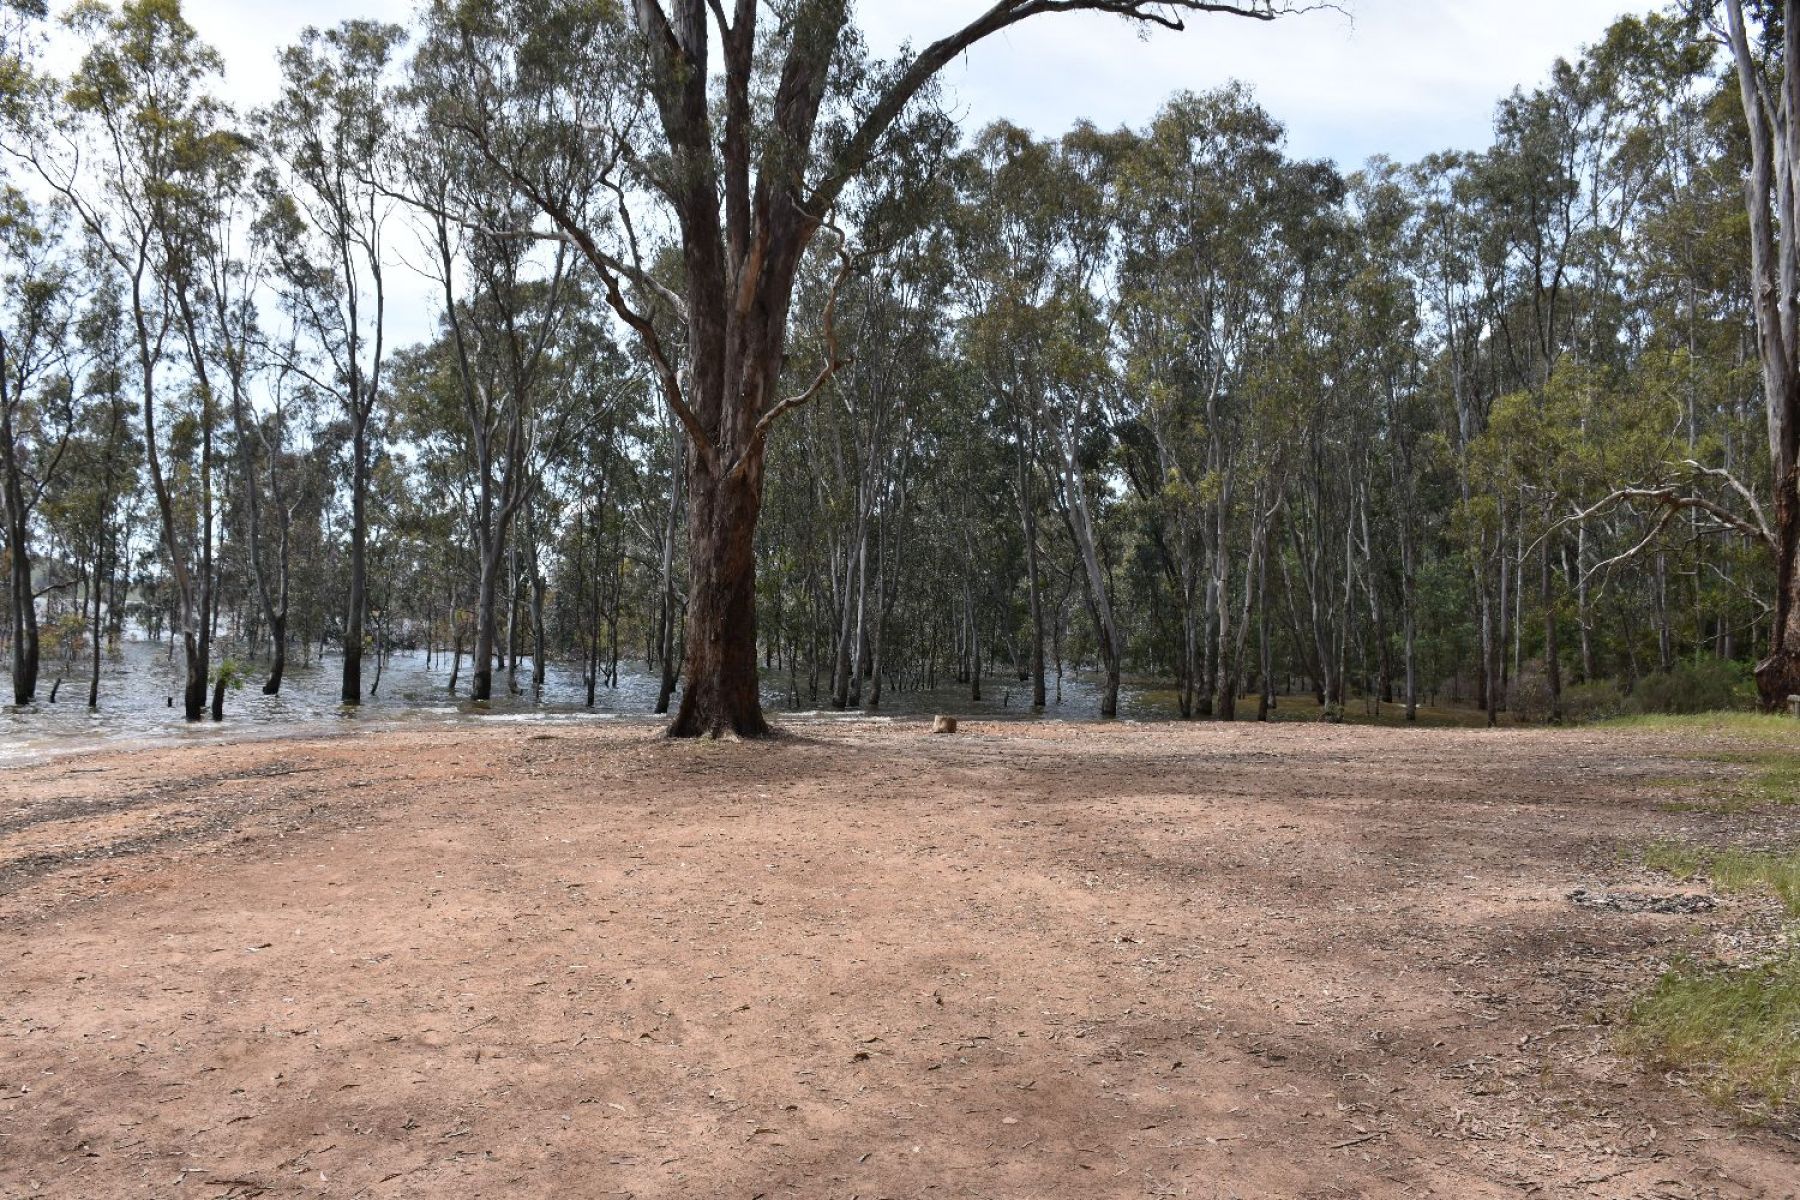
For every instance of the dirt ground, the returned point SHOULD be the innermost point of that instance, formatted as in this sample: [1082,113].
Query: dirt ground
[1023,961]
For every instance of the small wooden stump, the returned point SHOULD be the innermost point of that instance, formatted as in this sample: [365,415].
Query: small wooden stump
[1794,706]
[943,725]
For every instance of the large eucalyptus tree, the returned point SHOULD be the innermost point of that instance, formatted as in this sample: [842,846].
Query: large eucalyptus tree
[745,156]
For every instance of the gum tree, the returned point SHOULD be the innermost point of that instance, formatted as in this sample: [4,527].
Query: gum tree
[1771,104]
[135,138]
[749,143]
[326,135]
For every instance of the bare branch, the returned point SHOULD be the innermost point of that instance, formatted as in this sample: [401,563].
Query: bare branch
[1656,530]
[1749,497]
[933,58]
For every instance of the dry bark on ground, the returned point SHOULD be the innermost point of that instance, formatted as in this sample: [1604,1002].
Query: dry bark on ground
[1026,961]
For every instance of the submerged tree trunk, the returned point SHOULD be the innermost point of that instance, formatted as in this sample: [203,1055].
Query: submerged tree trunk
[22,604]
[481,664]
[278,655]
[98,590]
[357,601]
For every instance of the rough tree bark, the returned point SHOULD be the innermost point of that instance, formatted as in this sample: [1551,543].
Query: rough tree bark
[1772,201]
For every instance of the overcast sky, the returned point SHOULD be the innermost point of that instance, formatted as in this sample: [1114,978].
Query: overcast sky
[1395,77]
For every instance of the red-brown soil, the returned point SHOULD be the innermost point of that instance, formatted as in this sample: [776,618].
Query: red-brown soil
[1022,961]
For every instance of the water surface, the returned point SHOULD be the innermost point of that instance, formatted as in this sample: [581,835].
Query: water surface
[140,690]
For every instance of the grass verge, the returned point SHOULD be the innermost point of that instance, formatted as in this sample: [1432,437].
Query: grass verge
[1777,728]
[1734,1029]
[1767,744]
[1771,871]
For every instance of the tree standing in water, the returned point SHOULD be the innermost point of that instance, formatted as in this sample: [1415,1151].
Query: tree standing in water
[750,174]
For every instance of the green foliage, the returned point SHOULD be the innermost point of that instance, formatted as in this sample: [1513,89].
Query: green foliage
[64,638]
[1593,700]
[1735,1028]
[231,673]
[1708,685]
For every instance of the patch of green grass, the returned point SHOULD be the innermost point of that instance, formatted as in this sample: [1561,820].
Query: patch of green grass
[1735,1029]
[1773,778]
[1777,778]
[1698,806]
[1753,726]
[1776,872]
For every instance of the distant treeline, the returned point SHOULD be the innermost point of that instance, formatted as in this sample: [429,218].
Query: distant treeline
[1162,402]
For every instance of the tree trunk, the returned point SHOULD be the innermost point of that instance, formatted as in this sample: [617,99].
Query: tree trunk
[23,605]
[537,626]
[860,664]
[840,663]
[1099,603]
[511,650]
[1490,649]
[278,654]
[481,664]
[1552,651]
[1771,205]
[1033,585]
[24,610]
[359,534]
[99,592]
[1225,682]
[1778,675]
[456,645]
[665,629]
[721,696]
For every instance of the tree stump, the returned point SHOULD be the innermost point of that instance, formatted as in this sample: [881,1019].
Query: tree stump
[943,725]
[1794,706]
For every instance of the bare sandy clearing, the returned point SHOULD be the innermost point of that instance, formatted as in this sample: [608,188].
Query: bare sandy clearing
[1028,960]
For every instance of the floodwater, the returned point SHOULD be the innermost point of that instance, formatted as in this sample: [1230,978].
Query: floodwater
[138,685]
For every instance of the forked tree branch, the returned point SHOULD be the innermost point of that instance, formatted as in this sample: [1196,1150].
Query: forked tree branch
[835,360]
[1672,501]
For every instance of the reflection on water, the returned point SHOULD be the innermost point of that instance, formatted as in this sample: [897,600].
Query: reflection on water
[137,687]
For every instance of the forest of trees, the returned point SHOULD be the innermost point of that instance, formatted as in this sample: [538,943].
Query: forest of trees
[769,378]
